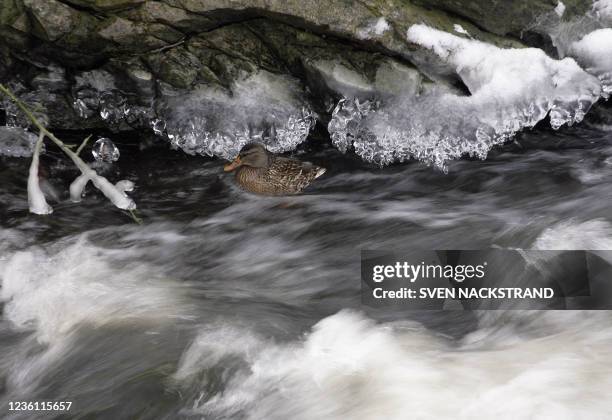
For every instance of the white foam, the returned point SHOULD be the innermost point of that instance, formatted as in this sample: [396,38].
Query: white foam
[51,293]
[350,367]
[589,235]
[511,89]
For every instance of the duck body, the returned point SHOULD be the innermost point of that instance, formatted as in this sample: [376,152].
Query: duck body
[260,172]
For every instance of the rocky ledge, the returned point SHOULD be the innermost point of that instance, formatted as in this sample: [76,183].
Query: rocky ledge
[131,64]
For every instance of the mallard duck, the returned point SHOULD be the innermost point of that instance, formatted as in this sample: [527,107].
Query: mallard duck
[258,171]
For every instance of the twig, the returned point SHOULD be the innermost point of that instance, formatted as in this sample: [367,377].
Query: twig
[167,47]
[135,217]
[82,146]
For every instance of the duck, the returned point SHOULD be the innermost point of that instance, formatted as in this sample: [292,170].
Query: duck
[260,172]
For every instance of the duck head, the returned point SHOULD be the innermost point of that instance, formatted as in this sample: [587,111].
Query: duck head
[254,155]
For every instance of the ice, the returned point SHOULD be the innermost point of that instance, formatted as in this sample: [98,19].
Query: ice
[594,52]
[35,100]
[104,150]
[264,107]
[528,366]
[16,142]
[344,126]
[603,9]
[115,193]
[95,93]
[78,187]
[36,198]
[125,186]
[510,89]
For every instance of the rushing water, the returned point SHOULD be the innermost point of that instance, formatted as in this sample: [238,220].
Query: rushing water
[225,305]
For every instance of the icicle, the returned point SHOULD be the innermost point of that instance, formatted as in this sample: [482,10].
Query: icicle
[77,187]
[116,196]
[125,185]
[36,198]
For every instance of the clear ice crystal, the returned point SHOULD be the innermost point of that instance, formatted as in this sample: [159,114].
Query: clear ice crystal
[16,142]
[264,108]
[510,89]
[104,150]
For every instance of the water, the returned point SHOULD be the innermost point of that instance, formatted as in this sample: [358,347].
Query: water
[225,305]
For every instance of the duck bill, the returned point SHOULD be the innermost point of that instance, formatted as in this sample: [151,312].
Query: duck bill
[233,165]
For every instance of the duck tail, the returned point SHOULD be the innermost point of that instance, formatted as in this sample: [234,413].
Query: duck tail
[319,171]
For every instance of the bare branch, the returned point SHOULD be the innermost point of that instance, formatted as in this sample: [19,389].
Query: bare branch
[82,146]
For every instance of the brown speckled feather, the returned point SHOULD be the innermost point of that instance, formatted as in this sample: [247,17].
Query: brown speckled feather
[283,177]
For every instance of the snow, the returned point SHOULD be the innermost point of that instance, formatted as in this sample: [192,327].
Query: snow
[587,39]
[16,142]
[459,29]
[510,89]
[603,9]
[594,52]
[560,9]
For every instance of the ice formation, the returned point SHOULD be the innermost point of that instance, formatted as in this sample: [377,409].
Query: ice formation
[104,150]
[587,39]
[510,89]
[594,52]
[95,93]
[16,142]
[263,108]
[603,9]
[36,198]
[115,194]
[77,187]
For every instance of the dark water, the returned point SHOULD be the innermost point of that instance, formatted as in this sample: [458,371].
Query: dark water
[225,305]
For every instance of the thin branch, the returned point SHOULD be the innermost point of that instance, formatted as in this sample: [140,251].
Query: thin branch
[82,146]
[167,47]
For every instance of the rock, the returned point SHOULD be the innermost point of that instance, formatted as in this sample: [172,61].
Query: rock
[179,68]
[503,17]
[105,5]
[52,19]
[83,55]
[158,12]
